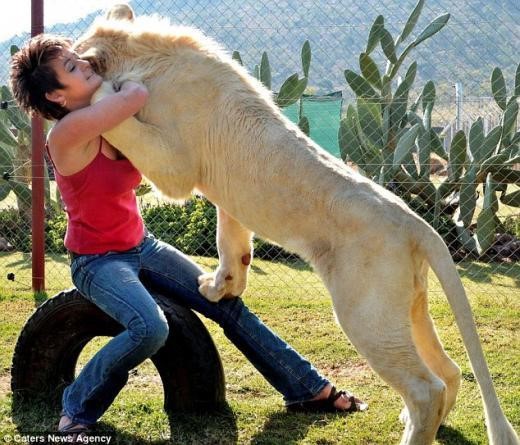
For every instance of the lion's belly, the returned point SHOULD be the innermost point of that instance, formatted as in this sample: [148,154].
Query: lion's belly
[288,219]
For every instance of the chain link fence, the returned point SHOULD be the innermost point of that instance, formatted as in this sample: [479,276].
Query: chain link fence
[431,115]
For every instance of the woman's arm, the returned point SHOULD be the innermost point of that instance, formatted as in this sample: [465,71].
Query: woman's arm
[80,126]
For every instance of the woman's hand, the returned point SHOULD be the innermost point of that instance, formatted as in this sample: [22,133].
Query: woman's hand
[134,91]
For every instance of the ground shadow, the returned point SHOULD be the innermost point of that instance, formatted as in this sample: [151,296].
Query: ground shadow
[37,417]
[449,436]
[34,415]
[286,428]
[22,263]
[59,258]
[290,429]
[258,270]
[218,427]
[25,262]
[478,272]
[215,427]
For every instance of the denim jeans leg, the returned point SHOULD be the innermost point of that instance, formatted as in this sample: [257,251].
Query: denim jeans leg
[173,273]
[111,282]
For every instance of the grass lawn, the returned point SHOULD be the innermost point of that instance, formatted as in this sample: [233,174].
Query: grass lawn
[302,314]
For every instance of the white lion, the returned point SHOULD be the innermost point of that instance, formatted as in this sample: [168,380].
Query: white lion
[209,126]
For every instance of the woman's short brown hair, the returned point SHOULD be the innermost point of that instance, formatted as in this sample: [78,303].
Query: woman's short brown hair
[32,76]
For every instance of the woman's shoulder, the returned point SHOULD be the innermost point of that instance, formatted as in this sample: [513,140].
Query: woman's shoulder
[69,159]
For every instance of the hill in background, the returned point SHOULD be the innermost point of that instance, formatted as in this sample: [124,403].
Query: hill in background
[480,35]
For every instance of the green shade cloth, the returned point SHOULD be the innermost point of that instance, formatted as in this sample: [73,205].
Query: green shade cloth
[324,114]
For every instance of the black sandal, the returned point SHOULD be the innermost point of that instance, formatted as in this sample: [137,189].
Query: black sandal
[73,430]
[327,405]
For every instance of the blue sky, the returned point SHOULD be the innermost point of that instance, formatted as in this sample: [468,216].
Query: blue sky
[16,18]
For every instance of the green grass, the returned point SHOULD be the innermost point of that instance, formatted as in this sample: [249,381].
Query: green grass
[293,303]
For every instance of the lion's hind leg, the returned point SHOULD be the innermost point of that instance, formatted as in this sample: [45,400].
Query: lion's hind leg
[428,344]
[372,298]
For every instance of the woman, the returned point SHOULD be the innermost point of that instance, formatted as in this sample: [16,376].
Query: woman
[112,253]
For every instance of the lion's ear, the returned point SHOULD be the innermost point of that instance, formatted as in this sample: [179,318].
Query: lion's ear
[94,57]
[121,11]
[89,54]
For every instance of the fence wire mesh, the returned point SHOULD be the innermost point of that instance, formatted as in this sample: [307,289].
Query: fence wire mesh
[433,120]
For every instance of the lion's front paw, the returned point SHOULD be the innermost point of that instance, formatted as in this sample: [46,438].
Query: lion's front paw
[208,287]
[220,284]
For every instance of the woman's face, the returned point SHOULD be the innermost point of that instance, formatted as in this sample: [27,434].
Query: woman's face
[78,79]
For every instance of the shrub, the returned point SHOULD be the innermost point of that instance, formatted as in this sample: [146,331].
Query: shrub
[55,228]
[190,228]
[15,229]
[512,225]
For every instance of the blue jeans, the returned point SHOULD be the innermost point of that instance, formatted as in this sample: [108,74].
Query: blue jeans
[114,282]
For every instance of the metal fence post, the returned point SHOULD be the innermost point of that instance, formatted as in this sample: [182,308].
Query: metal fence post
[38,195]
[458,101]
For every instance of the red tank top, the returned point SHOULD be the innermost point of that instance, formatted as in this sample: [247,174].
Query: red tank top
[101,205]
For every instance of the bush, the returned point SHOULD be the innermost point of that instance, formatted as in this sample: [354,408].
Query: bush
[55,228]
[191,228]
[15,229]
[512,225]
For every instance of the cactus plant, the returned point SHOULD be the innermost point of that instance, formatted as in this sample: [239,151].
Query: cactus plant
[491,160]
[14,144]
[15,137]
[483,161]
[292,88]
[382,130]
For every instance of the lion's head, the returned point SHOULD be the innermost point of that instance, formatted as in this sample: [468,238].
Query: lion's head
[105,40]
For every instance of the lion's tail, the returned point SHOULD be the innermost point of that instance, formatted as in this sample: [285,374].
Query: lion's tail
[500,431]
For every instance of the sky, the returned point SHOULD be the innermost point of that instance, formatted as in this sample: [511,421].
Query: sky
[15,17]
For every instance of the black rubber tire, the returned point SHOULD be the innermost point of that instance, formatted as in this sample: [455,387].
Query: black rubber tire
[53,337]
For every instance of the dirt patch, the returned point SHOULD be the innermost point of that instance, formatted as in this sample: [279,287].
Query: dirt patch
[139,379]
[350,370]
[5,385]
